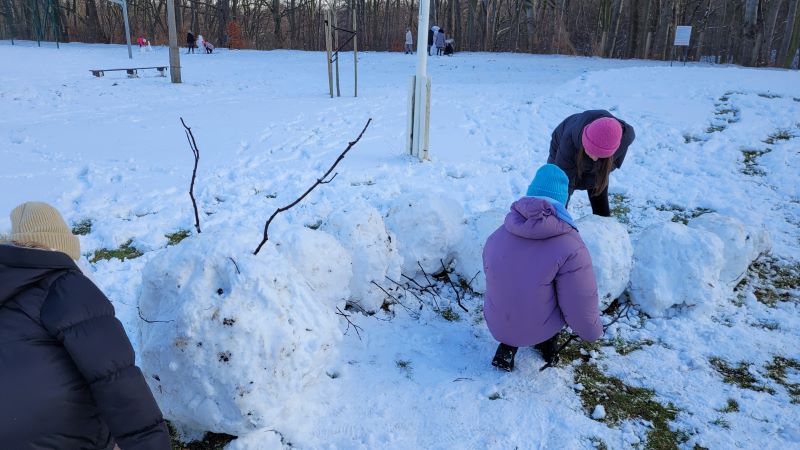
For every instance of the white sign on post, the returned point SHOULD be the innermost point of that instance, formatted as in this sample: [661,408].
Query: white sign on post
[682,35]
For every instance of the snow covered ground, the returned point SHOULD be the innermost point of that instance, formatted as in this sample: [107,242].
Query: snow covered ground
[709,138]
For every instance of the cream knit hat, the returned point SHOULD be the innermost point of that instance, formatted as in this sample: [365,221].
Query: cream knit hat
[40,223]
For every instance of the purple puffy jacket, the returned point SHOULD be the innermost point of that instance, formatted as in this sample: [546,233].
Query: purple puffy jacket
[538,276]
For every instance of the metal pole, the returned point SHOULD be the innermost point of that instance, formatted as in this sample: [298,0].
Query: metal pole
[336,45]
[328,48]
[174,52]
[355,52]
[127,27]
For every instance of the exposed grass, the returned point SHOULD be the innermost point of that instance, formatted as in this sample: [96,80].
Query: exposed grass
[776,370]
[315,225]
[495,396]
[82,228]
[405,366]
[626,347]
[715,128]
[210,441]
[769,325]
[768,95]
[730,407]
[775,280]
[577,350]
[621,208]
[751,162]
[722,423]
[689,138]
[739,375]
[598,443]
[624,402]
[176,237]
[125,251]
[449,314]
[681,214]
[779,135]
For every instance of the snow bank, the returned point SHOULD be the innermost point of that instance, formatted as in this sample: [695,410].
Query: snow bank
[324,263]
[373,251]
[234,343]
[742,244]
[676,265]
[469,251]
[612,255]
[428,227]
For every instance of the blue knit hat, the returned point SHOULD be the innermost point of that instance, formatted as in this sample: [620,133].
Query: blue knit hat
[550,181]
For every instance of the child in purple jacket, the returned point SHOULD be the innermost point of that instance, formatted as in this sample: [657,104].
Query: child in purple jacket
[539,274]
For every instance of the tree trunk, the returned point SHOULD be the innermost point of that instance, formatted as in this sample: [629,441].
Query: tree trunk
[749,30]
[790,35]
[530,21]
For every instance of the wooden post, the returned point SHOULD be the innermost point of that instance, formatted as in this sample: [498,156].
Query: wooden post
[355,53]
[174,52]
[327,21]
[336,45]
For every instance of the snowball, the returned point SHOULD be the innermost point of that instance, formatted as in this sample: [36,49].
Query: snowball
[612,255]
[360,229]
[675,265]
[322,261]
[235,338]
[599,412]
[469,251]
[428,227]
[742,244]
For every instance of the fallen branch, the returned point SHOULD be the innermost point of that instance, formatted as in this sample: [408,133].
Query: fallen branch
[323,180]
[196,153]
[350,323]
[453,286]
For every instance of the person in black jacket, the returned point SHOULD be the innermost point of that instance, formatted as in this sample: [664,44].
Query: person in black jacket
[430,41]
[588,146]
[68,379]
[191,43]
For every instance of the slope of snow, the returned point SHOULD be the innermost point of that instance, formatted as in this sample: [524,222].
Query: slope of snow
[112,150]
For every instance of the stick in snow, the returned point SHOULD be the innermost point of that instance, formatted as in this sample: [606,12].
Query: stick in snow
[323,180]
[350,323]
[196,153]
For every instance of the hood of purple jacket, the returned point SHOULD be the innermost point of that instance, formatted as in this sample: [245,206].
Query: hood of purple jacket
[539,276]
[535,218]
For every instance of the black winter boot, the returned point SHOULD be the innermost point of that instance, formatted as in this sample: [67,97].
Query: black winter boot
[504,357]
[549,350]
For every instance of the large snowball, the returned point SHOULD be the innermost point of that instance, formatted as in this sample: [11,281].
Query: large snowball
[469,251]
[321,259]
[676,265]
[232,344]
[612,255]
[361,230]
[428,227]
[742,244]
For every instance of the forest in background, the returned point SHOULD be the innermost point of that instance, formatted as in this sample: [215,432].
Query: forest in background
[745,32]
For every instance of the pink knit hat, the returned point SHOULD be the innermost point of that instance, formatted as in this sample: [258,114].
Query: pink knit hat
[601,138]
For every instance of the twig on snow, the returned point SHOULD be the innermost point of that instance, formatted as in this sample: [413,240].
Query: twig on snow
[235,265]
[196,153]
[350,323]
[453,286]
[323,180]
[141,316]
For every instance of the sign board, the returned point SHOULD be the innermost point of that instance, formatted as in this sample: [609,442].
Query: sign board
[682,35]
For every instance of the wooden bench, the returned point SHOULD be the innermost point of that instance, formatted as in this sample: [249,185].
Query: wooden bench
[132,72]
